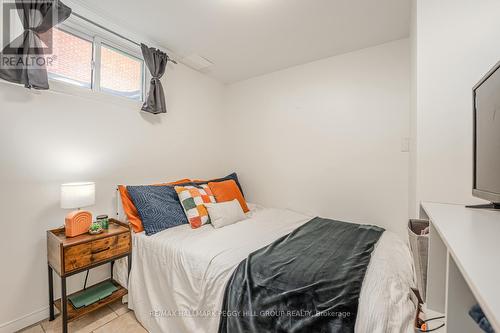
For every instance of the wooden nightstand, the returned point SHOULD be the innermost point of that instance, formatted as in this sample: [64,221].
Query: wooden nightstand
[72,255]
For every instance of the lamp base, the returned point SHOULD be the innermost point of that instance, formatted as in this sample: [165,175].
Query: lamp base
[77,223]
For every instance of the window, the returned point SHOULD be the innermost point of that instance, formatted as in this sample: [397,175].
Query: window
[96,63]
[121,74]
[73,59]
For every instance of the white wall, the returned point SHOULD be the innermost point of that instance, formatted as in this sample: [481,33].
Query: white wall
[457,43]
[50,138]
[325,137]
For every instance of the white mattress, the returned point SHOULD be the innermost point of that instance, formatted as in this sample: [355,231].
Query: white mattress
[178,276]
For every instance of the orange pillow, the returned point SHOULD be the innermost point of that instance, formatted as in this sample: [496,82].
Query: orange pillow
[128,205]
[228,191]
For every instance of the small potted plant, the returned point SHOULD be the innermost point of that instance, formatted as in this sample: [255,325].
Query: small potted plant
[95,228]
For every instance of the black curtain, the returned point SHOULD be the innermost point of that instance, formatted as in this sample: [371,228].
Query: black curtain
[156,61]
[24,60]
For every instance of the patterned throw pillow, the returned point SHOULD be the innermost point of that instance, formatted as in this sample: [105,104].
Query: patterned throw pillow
[192,199]
[133,216]
[158,207]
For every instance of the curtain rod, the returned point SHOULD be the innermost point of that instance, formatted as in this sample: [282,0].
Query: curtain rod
[114,33]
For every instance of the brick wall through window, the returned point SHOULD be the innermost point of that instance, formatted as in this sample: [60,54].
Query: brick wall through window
[120,74]
[73,57]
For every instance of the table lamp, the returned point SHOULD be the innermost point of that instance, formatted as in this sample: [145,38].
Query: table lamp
[77,196]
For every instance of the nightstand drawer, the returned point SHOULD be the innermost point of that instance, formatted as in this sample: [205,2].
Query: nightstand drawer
[82,255]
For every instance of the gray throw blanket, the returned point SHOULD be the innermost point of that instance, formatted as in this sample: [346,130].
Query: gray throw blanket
[307,281]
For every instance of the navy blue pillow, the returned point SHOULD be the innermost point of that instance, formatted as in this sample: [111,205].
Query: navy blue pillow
[158,206]
[232,176]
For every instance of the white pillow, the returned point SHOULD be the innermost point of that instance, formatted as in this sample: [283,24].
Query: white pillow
[225,213]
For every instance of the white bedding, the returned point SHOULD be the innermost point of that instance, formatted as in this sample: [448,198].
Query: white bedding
[178,276]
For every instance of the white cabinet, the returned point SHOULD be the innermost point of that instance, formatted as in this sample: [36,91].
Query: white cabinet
[464,264]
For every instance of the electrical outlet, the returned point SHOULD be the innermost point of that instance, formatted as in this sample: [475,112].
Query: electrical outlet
[405,145]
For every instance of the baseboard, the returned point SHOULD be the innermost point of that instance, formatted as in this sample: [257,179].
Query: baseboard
[25,321]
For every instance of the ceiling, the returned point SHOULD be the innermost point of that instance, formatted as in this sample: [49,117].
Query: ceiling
[246,38]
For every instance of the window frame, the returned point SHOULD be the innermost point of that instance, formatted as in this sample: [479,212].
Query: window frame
[77,33]
[128,53]
[98,37]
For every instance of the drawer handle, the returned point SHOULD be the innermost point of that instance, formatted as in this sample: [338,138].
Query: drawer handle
[101,250]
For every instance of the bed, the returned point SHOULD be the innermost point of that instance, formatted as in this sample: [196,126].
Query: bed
[179,275]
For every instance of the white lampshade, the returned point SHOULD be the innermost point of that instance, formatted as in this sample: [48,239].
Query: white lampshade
[77,195]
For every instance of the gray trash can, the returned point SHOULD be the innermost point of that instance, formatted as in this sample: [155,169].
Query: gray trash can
[419,245]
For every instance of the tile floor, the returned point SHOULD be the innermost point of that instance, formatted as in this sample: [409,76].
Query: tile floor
[114,318]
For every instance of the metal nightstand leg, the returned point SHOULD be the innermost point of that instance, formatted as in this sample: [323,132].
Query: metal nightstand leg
[51,294]
[129,260]
[64,306]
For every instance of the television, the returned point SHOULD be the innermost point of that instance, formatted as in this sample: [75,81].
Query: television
[486,169]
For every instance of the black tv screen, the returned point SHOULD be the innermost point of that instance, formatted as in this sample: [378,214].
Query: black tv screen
[487,137]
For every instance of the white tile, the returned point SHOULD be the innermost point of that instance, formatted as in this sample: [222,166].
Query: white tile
[33,329]
[119,307]
[126,323]
[85,324]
